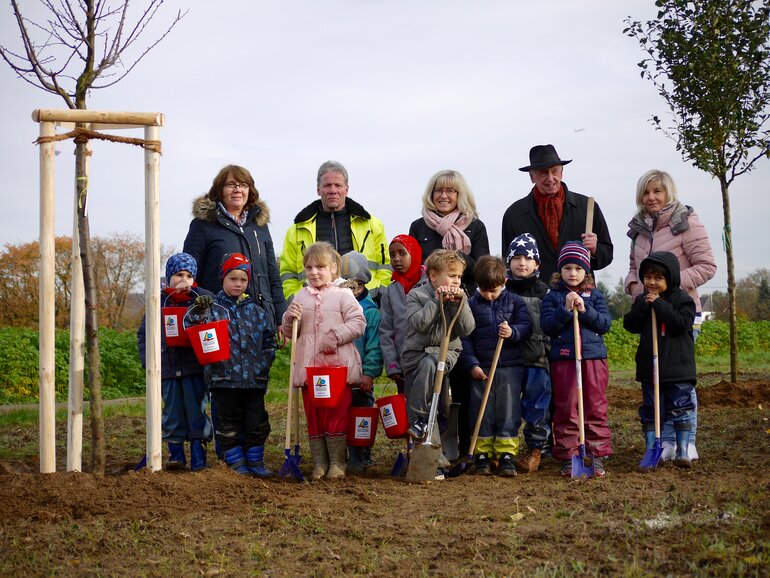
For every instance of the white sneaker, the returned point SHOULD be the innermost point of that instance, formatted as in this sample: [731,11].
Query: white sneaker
[669,451]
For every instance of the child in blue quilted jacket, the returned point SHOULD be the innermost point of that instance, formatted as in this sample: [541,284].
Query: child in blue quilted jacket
[572,287]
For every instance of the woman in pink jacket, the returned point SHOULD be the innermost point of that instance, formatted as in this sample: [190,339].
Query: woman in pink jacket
[330,319]
[662,223]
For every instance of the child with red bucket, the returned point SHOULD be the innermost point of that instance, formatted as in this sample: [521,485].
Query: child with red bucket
[238,384]
[183,388]
[330,319]
[356,270]
[406,259]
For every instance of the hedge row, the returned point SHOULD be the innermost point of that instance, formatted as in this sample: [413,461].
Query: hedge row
[123,376]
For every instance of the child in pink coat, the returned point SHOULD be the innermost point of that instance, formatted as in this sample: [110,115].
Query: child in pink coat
[330,319]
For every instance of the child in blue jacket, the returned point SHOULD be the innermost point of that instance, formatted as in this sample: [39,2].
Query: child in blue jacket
[572,287]
[498,313]
[238,385]
[183,389]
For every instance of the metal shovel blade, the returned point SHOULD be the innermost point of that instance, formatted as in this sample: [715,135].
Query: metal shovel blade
[450,437]
[651,457]
[582,466]
[460,467]
[423,463]
[289,468]
[297,457]
[398,466]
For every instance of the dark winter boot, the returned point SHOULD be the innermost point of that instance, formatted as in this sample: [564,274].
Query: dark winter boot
[235,459]
[355,459]
[682,429]
[255,462]
[197,455]
[176,459]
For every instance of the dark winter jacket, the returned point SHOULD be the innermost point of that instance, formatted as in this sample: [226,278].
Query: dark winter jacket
[430,240]
[174,361]
[252,345]
[479,347]
[675,311]
[213,234]
[521,217]
[368,344]
[557,322]
[533,291]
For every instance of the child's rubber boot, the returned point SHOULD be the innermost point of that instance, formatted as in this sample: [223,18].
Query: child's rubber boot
[176,459]
[235,459]
[336,447]
[320,458]
[682,429]
[355,459]
[648,430]
[197,455]
[255,462]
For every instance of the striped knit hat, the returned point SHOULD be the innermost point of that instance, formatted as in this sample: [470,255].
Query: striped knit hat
[575,253]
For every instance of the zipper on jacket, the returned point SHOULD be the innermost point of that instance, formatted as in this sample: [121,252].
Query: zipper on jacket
[363,243]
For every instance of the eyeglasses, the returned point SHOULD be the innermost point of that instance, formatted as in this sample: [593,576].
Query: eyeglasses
[447,192]
[231,185]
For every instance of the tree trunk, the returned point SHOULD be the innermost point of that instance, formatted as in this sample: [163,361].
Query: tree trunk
[92,323]
[728,244]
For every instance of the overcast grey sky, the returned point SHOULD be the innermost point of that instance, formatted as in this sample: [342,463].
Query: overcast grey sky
[394,90]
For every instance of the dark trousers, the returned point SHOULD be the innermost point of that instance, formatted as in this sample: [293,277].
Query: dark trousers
[241,418]
[184,409]
[535,404]
[676,402]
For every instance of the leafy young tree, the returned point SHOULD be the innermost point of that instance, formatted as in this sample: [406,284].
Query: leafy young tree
[80,46]
[710,61]
[762,308]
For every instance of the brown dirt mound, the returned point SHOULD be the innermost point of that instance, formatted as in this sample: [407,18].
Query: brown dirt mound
[745,393]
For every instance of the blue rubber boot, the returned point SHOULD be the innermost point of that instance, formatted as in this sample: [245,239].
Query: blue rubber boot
[235,459]
[176,459]
[197,455]
[649,438]
[682,429]
[255,462]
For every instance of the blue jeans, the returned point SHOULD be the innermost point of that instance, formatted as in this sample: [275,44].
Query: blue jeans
[675,403]
[535,403]
[184,409]
[668,434]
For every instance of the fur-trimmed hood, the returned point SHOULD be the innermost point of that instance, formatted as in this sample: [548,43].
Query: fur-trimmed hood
[355,209]
[206,209]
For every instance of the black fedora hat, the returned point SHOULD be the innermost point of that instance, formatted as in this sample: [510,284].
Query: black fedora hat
[542,157]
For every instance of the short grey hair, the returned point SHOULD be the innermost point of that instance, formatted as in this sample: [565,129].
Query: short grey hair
[666,183]
[331,167]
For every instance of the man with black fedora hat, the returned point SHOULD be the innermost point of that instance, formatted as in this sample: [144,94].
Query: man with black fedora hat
[554,215]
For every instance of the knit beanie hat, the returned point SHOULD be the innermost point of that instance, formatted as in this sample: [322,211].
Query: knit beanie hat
[232,261]
[526,245]
[355,267]
[574,253]
[180,262]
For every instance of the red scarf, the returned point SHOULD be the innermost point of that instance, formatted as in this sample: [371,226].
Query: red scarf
[550,211]
[413,274]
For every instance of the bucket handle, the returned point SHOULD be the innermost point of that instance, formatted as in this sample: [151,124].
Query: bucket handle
[170,294]
[336,353]
[189,309]
[387,385]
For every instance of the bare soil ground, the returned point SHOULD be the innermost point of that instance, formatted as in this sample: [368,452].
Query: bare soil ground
[711,520]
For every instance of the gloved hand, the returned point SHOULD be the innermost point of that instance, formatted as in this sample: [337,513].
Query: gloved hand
[203,302]
[328,343]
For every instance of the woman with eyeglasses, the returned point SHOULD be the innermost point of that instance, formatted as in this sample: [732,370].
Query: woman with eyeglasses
[449,221]
[232,218]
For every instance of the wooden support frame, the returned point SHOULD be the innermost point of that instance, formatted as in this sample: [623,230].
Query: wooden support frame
[49,119]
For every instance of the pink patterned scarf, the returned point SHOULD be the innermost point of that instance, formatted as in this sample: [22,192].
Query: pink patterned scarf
[451,228]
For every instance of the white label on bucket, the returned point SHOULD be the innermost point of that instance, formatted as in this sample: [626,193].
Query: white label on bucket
[441,366]
[388,416]
[321,387]
[172,327]
[363,428]
[209,341]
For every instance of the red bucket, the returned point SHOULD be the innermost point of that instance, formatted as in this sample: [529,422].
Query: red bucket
[210,341]
[362,426]
[173,326]
[326,384]
[393,414]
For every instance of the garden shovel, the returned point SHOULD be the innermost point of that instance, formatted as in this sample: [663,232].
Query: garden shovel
[425,457]
[582,465]
[290,465]
[465,464]
[652,455]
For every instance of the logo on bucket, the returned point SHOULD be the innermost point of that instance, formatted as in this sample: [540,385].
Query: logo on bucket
[388,416]
[321,387]
[172,327]
[209,341]
[363,428]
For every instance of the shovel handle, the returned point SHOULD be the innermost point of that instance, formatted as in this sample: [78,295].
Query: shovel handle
[485,398]
[590,215]
[655,374]
[579,375]
[290,403]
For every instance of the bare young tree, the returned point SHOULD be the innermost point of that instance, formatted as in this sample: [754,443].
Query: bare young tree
[80,46]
